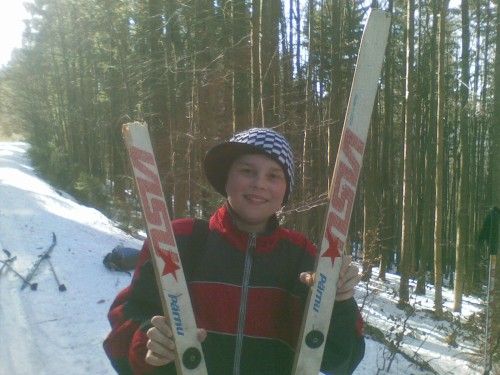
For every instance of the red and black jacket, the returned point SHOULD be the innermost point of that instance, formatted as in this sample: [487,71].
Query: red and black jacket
[245,292]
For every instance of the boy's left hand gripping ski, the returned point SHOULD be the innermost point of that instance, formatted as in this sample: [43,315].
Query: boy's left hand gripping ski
[321,298]
[169,273]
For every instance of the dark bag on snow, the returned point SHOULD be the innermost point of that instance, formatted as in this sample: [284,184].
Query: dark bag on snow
[125,258]
[121,259]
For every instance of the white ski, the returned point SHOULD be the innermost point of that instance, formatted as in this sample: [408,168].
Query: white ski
[321,298]
[169,273]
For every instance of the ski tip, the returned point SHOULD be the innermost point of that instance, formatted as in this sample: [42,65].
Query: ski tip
[379,17]
[128,125]
[379,13]
[131,128]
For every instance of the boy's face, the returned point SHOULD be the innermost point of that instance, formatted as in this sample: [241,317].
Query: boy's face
[255,188]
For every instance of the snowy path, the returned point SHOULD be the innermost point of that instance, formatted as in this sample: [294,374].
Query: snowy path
[48,331]
[21,345]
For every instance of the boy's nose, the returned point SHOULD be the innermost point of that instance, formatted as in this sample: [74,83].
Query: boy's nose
[258,180]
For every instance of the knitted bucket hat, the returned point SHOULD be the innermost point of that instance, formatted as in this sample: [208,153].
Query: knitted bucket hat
[264,141]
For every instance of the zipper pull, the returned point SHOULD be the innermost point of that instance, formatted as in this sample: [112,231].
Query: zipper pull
[252,241]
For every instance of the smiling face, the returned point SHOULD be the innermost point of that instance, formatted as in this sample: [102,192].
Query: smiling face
[255,188]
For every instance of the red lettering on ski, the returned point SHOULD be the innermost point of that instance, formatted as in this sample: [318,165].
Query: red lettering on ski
[155,209]
[344,190]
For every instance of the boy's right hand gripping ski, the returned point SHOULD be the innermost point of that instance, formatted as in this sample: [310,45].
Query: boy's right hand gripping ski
[170,279]
[319,306]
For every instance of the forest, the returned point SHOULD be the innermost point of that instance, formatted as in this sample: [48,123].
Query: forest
[197,71]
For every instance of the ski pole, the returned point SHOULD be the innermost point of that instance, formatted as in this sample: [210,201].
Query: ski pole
[33,286]
[62,287]
[488,345]
[490,235]
[35,266]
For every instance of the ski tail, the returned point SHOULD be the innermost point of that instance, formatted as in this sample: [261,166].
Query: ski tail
[170,279]
[321,298]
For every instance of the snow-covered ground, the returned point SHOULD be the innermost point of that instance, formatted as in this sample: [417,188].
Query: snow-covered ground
[48,331]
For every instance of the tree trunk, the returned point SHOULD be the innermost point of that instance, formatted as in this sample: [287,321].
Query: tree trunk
[406,244]
[463,193]
[306,145]
[495,176]
[239,60]
[336,97]
[387,217]
[429,86]
[260,67]
[438,216]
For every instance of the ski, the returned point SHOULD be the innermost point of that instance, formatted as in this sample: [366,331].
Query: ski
[7,263]
[9,259]
[321,298]
[169,273]
[36,265]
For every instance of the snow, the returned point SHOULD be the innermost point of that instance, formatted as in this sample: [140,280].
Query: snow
[49,331]
[424,338]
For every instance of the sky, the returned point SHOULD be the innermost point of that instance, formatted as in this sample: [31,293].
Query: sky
[12,14]
[52,332]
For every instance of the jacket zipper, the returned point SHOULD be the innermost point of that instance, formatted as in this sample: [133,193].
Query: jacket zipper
[243,302]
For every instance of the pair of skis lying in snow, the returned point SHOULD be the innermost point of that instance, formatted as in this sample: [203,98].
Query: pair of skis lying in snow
[168,269]
[7,263]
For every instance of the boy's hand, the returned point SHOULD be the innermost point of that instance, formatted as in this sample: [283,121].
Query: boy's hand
[349,277]
[161,347]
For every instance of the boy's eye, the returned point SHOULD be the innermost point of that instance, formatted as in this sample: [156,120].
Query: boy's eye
[246,170]
[276,176]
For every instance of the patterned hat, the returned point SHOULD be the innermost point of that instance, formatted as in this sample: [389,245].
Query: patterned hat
[264,141]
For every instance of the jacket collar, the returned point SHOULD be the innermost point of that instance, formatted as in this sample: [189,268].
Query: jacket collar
[222,221]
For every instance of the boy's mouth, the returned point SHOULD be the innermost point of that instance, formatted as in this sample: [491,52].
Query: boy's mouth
[252,198]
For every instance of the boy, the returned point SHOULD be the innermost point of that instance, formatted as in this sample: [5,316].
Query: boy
[247,277]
